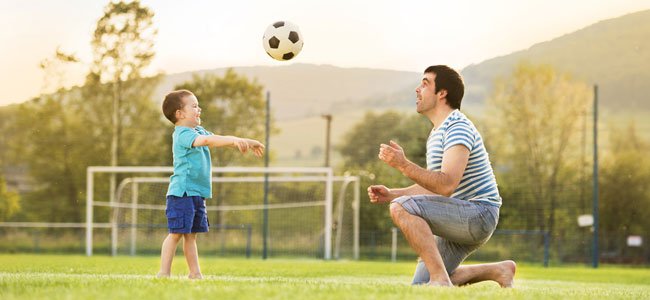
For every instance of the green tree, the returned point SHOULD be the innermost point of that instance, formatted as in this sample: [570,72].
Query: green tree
[625,194]
[123,47]
[534,116]
[360,146]
[9,201]
[58,135]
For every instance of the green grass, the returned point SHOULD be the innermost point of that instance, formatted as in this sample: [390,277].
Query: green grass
[101,277]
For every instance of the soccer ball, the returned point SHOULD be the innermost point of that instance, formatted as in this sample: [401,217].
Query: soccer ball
[282,40]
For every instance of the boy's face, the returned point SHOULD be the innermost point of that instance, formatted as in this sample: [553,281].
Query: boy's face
[190,114]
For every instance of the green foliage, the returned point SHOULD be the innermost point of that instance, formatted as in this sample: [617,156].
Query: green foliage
[57,136]
[122,44]
[534,117]
[625,193]
[9,201]
[123,41]
[360,146]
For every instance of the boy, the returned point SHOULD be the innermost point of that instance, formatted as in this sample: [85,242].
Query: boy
[191,182]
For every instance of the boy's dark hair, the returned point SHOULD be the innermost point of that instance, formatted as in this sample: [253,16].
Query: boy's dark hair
[173,102]
[448,79]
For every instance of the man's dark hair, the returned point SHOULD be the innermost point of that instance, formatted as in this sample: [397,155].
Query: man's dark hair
[173,102]
[451,81]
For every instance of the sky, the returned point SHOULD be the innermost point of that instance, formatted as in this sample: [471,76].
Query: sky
[193,35]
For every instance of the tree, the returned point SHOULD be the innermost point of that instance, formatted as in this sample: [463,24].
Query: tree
[123,47]
[625,195]
[360,147]
[534,116]
[9,201]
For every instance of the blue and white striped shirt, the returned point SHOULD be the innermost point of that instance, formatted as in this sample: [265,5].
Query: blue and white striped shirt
[478,182]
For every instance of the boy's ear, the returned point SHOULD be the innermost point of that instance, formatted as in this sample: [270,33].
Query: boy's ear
[178,114]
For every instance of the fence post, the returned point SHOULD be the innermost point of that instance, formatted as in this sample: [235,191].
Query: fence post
[393,248]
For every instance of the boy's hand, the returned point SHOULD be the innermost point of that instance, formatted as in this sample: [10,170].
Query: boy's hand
[257,147]
[242,145]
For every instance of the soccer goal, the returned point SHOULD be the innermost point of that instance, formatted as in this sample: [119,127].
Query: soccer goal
[273,211]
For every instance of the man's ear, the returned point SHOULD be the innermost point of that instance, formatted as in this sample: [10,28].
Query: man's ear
[442,93]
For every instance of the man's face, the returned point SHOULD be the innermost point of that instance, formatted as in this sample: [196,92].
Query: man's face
[427,99]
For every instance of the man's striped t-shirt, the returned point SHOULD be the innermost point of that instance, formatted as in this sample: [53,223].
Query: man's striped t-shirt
[478,182]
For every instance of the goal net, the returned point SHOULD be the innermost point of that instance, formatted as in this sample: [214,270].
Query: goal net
[276,212]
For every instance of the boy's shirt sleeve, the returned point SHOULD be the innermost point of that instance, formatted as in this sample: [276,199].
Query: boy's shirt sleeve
[202,131]
[186,137]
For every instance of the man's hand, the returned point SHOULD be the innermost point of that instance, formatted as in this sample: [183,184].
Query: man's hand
[393,155]
[380,194]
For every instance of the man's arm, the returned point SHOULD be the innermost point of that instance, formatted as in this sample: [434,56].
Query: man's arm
[445,182]
[382,194]
[415,189]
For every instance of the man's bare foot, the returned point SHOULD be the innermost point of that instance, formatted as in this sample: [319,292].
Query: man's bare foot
[507,270]
[440,283]
[162,275]
[195,276]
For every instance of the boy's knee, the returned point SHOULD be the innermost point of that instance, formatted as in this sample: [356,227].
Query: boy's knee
[189,236]
[175,236]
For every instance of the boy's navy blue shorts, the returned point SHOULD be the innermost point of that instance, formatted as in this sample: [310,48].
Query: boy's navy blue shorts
[186,214]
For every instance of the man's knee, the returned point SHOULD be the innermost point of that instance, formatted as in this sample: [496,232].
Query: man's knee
[396,211]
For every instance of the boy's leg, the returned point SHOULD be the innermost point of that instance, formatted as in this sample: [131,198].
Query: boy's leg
[199,224]
[167,253]
[191,255]
[502,272]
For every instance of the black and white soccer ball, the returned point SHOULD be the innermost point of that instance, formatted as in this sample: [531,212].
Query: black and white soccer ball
[282,40]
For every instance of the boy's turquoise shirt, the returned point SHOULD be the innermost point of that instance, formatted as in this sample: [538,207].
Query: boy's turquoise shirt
[192,165]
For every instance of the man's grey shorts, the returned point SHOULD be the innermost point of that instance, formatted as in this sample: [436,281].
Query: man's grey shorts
[460,227]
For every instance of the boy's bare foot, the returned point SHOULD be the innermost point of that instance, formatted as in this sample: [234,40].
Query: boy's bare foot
[507,270]
[162,275]
[195,276]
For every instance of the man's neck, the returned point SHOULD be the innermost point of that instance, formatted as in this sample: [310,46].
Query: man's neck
[439,115]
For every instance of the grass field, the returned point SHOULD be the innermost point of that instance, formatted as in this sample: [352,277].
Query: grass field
[101,277]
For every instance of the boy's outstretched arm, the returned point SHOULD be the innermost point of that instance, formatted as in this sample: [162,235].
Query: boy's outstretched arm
[242,144]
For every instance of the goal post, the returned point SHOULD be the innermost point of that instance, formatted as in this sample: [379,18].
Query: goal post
[315,185]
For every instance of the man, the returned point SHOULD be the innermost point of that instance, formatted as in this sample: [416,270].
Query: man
[453,207]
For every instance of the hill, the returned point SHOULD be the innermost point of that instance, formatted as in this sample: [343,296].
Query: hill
[614,53]
[306,90]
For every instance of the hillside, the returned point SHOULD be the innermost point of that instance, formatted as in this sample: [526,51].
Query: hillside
[614,53]
[305,90]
